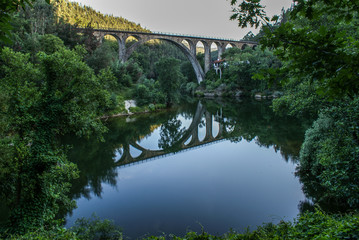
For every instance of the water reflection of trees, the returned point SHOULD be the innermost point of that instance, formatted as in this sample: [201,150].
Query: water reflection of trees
[171,133]
[250,121]
[96,160]
[256,121]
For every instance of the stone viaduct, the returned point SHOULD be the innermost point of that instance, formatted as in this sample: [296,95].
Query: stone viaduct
[186,43]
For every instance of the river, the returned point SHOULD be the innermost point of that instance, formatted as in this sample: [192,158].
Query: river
[214,164]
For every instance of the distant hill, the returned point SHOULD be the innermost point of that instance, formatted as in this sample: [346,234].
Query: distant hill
[83,16]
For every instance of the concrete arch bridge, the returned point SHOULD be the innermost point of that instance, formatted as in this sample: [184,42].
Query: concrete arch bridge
[180,41]
[189,140]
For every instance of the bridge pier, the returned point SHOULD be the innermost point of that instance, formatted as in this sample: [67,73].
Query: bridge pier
[207,57]
[192,48]
[221,48]
[209,127]
[122,49]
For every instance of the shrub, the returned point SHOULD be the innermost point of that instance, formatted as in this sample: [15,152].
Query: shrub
[94,228]
[329,166]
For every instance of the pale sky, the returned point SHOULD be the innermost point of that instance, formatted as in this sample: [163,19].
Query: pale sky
[198,17]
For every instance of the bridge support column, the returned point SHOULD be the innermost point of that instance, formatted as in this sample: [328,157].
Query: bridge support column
[99,36]
[122,49]
[209,126]
[207,57]
[220,130]
[221,49]
[195,139]
[126,155]
[193,49]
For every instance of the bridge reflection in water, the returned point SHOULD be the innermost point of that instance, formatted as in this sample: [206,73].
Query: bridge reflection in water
[240,182]
[188,141]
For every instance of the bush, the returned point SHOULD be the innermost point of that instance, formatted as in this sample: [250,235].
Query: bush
[136,109]
[151,107]
[103,57]
[329,166]
[148,92]
[55,231]
[95,228]
[315,225]
[160,106]
[189,88]
[199,94]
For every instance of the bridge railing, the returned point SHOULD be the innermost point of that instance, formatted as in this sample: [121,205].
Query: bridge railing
[173,34]
[195,36]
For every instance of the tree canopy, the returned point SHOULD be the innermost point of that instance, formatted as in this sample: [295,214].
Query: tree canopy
[319,42]
[59,94]
[84,16]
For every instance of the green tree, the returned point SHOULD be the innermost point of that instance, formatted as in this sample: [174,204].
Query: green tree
[57,96]
[319,42]
[127,73]
[170,78]
[299,99]
[329,166]
[85,16]
[102,57]
[6,9]
[50,43]
[148,91]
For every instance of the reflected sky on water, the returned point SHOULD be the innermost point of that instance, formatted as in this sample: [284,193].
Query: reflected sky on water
[244,178]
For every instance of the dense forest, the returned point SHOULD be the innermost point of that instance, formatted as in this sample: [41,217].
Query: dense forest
[55,81]
[84,16]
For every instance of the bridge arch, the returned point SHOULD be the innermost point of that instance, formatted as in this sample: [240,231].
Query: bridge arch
[244,46]
[207,53]
[220,48]
[229,45]
[189,44]
[188,53]
[114,36]
[213,48]
[131,39]
[133,36]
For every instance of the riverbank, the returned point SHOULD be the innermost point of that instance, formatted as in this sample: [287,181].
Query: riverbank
[222,91]
[131,108]
[310,225]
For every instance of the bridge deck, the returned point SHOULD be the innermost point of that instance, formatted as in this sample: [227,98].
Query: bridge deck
[166,34]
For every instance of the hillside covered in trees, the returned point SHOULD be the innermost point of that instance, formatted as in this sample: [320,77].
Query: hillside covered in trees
[85,16]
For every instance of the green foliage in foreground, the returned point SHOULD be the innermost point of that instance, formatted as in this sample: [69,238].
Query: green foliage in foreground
[329,166]
[309,226]
[319,42]
[316,225]
[95,228]
[42,101]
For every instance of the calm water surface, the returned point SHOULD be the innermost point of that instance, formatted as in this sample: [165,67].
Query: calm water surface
[214,164]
